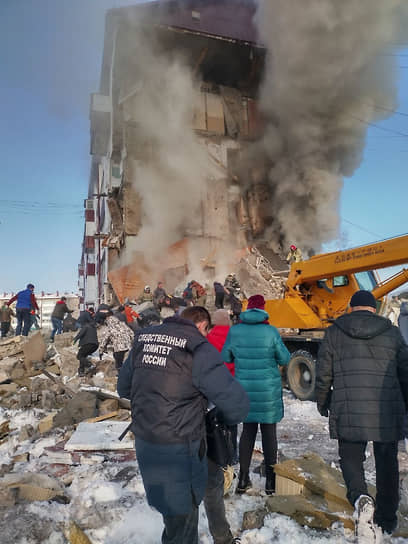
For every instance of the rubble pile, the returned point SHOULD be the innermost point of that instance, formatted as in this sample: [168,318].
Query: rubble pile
[42,402]
[313,494]
[257,275]
[67,464]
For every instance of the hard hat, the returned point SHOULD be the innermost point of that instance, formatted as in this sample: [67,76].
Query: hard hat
[293,247]
[147,288]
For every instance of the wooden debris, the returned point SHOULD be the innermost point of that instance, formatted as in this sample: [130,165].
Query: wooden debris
[31,486]
[109,415]
[315,475]
[76,535]
[308,511]
[46,424]
[4,429]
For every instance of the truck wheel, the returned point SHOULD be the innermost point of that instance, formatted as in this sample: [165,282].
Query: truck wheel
[301,375]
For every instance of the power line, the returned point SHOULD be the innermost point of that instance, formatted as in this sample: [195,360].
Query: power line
[361,228]
[379,127]
[390,110]
[33,204]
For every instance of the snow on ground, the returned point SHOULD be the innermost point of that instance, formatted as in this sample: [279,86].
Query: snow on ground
[109,502]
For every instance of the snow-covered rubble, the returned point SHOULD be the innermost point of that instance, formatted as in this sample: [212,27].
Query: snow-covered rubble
[103,491]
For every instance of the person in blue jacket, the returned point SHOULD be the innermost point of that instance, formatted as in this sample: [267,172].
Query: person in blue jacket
[257,350]
[171,374]
[26,302]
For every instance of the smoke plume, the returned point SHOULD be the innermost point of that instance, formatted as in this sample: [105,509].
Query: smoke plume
[328,70]
[171,176]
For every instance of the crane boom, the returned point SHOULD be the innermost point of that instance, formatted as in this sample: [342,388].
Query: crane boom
[391,252]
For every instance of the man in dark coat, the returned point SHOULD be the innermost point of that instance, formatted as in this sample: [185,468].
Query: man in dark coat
[57,316]
[85,316]
[362,382]
[88,343]
[403,321]
[170,375]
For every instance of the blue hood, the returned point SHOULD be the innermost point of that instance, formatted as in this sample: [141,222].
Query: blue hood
[252,317]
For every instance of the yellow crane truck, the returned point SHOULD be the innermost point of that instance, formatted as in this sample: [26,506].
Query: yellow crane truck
[318,291]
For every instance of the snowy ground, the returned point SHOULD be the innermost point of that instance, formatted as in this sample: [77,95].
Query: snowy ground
[111,507]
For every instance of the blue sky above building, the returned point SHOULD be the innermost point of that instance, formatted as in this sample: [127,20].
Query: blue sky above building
[50,53]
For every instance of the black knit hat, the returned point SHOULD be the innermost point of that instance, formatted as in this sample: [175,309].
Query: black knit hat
[363,298]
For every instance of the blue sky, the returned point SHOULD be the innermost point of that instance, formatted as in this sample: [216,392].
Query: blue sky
[50,54]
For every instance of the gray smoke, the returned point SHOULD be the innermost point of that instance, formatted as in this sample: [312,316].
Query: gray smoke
[171,177]
[328,70]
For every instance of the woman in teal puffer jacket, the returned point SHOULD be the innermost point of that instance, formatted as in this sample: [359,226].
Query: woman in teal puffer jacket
[257,350]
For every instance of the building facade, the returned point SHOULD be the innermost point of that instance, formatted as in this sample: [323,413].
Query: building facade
[175,116]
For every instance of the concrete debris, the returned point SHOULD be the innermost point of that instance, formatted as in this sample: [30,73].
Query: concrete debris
[107,406]
[310,492]
[30,487]
[34,349]
[254,519]
[257,275]
[103,435]
[81,406]
[26,432]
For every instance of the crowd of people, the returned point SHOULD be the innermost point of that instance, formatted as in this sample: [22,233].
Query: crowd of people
[177,364]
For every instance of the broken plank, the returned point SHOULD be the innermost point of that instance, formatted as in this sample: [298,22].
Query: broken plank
[109,415]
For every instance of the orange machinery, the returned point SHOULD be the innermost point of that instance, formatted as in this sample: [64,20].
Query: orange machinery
[318,291]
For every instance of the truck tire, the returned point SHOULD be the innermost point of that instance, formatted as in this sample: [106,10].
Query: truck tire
[301,375]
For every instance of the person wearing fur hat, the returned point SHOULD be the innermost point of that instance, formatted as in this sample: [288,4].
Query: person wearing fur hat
[257,350]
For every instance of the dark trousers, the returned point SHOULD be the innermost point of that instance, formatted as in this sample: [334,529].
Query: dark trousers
[23,321]
[119,356]
[57,325]
[234,438]
[5,327]
[83,353]
[214,505]
[219,300]
[247,443]
[181,529]
[352,457]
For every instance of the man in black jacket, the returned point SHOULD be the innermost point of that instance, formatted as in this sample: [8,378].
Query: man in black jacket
[57,316]
[362,382]
[170,375]
[88,343]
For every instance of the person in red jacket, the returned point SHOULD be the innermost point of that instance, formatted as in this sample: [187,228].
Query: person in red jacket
[217,337]
[219,332]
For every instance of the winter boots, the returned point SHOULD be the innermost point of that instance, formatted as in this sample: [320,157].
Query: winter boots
[244,483]
[85,367]
[367,532]
[270,480]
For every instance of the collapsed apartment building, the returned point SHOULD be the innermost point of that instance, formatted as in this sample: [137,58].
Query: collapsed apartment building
[184,71]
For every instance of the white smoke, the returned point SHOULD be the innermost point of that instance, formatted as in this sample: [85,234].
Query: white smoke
[327,71]
[170,177]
